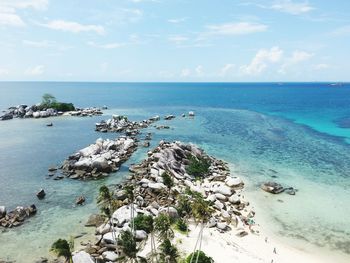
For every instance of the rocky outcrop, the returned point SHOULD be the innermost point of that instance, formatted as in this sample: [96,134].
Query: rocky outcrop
[37,111]
[99,159]
[151,196]
[17,216]
[119,123]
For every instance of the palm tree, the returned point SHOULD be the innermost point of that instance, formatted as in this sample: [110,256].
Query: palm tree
[201,212]
[169,183]
[162,225]
[62,249]
[129,189]
[127,242]
[107,205]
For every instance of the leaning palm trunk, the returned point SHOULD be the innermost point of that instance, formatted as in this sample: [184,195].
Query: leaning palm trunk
[197,241]
[153,248]
[200,241]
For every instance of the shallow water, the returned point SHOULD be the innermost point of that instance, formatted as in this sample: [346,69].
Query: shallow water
[259,143]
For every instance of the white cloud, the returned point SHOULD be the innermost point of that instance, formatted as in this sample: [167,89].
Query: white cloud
[4,72]
[22,4]
[177,39]
[199,70]
[226,69]
[38,44]
[8,10]
[240,28]
[261,60]
[342,31]
[74,27]
[296,58]
[290,7]
[106,46]
[11,19]
[185,72]
[321,66]
[177,20]
[35,71]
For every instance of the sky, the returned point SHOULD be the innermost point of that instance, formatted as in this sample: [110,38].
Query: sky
[175,40]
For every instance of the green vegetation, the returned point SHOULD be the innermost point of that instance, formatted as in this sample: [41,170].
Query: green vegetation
[198,167]
[143,222]
[168,251]
[181,225]
[127,242]
[202,257]
[62,248]
[167,180]
[184,205]
[49,101]
[162,225]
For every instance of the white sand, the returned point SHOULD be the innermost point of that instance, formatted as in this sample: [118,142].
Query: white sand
[227,247]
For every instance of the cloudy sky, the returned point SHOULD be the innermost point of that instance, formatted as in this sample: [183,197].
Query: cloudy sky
[175,40]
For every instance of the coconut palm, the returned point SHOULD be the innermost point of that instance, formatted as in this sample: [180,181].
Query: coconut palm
[201,212]
[62,248]
[162,225]
[107,205]
[127,241]
[129,189]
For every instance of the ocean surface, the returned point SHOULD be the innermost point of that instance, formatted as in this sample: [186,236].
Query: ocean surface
[297,134]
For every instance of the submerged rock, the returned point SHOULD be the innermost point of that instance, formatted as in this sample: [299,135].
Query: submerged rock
[272,187]
[41,194]
[80,200]
[18,216]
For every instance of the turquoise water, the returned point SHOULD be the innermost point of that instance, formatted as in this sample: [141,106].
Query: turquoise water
[263,130]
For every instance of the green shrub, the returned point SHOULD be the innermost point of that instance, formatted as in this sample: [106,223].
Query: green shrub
[62,249]
[167,180]
[198,167]
[183,206]
[162,224]
[143,222]
[181,225]
[202,257]
[62,106]
[49,101]
[128,244]
[169,252]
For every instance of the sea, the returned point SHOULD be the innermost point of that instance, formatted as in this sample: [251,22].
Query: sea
[297,134]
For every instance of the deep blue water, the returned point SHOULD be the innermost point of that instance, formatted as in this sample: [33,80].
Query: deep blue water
[293,131]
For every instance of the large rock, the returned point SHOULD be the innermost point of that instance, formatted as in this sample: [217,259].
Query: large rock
[140,235]
[234,199]
[272,187]
[123,215]
[82,257]
[234,181]
[156,186]
[110,255]
[223,189]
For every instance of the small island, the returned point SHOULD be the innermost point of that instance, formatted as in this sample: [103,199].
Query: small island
[48,107]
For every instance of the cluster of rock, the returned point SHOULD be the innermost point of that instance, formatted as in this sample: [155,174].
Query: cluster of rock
[15,217]
[276,188]
[36,111]
[85,112]
[219,187]
[151,196]
[120,123]
[99,159]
